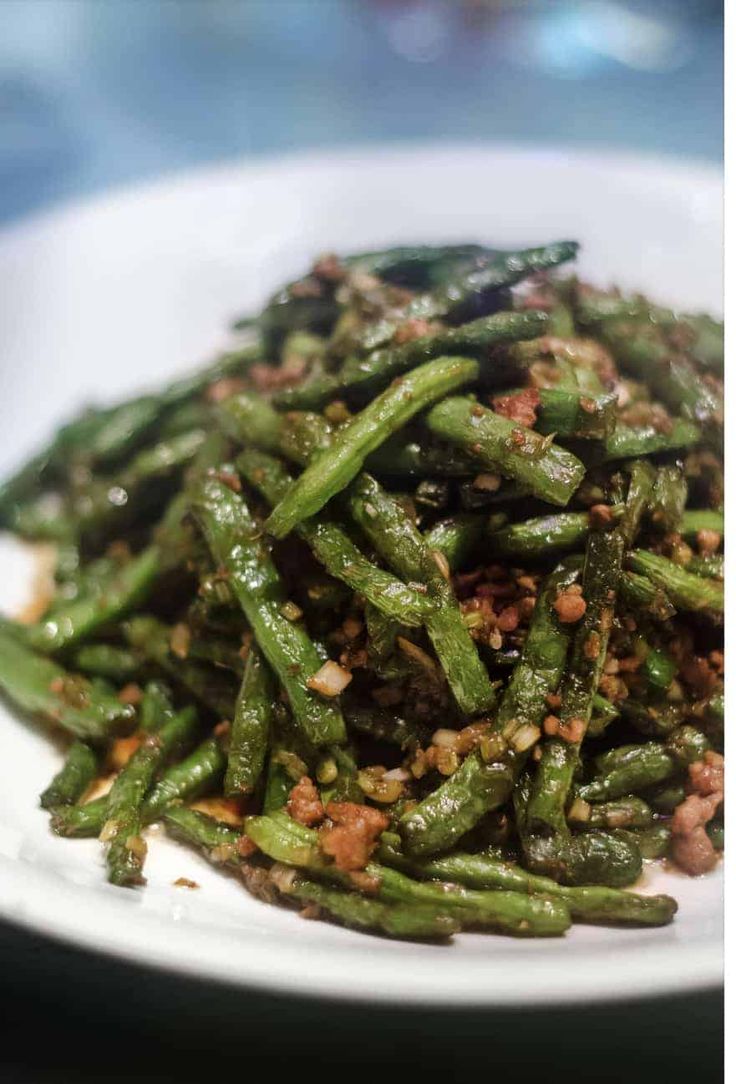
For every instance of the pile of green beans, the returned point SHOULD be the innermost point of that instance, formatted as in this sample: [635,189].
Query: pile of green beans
[408,610]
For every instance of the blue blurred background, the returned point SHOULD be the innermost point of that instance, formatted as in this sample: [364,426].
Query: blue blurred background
[96,93]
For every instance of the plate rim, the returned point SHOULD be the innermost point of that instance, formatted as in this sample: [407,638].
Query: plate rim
[150,942]
[109,199]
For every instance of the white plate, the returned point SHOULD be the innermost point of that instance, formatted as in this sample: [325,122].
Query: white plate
[105,297]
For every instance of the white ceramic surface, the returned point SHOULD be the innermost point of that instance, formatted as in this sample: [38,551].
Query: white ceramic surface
[101,299]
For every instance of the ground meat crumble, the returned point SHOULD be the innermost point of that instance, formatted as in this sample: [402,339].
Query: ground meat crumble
[692,849]
[304,803]
[521,408]
[412,329]
[351,834]
[570,604]
[266,378]
[497,602]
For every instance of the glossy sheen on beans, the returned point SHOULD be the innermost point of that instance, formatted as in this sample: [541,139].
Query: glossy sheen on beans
[408,610]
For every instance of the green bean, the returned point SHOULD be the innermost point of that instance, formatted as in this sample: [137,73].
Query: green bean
[197,774]
[250,730]
[641,484]
[335,467]
[544,535]
[687,744]
[219,842]
[705,334]
[716,834]
[125,590]
[446,814]
[627,811]
[627,442]
[304,347]
[401,545]
[72,780]
[497,443]
[106,435]
[479,786]
[102,437]
[668,498]
[385,726]
[664,798]
[107,661]
[285,840]
[313,394]
[586,904]
[251,420]
[458,538]
[651,842]
[88,580]
[562,322]
[278,784]
[684,590]
[508,912]
[673,378]
[222,653]
[604,713]
[107,505]
[458,297]
[560,755]
[302,434]
[700,519]
[420,266]
[39,687]
[505,269]
[337,775]
[403,458]
[156,707]
[238,546]
[413,921]
[208,684]
[122,828]
[592,309]
[190,415]
[710,715]
[658,670]
[298,434]
[366,376]
[79,821]
[17,489]
[246,416]
[656,719]
[193,776]
[636,768]
[639,593]
[94,437]
[43,518]
[289,310]
[576,362]
[383,653]
[711,566]
[567,413]
[334,549]
[608,858]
